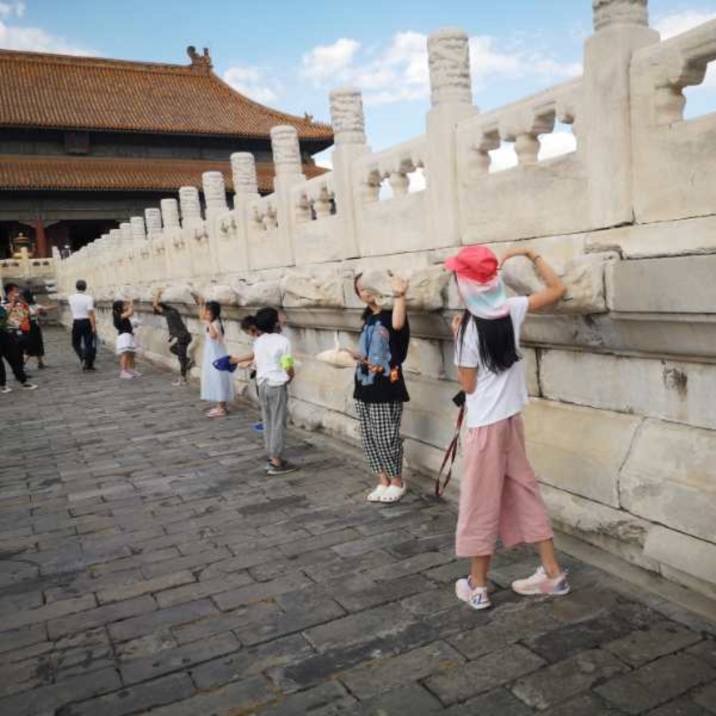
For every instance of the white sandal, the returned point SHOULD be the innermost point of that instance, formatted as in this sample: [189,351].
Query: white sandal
[377,494]
[394,493]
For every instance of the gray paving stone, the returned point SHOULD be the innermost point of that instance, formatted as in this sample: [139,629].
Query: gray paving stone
[499,702]
[707,698]
[483,674]
[131,589]
[181,658]
[204,588]
[319,699]
[584,705]
[641,647]
[705,650]
[244,617]
[251,662]
[658,682]
[388,674]
[101,615]
[565,641]
[152,621]
[53,696]
[242,696]
[259,592]
[358,628]
[376,594]
[683,707]
[567,678]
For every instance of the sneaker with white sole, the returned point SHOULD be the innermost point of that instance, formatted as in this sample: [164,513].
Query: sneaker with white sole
[29,386]
[541,583]
[5,388]
[126,375]
[179,382]
[477,598]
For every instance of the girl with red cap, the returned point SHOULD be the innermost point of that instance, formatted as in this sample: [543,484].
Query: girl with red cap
[499,492]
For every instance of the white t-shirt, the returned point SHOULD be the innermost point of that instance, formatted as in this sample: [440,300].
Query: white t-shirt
[80,305]
[497,396]
[269,350]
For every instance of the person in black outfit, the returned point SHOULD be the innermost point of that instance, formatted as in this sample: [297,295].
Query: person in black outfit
[380,390]
[178,333]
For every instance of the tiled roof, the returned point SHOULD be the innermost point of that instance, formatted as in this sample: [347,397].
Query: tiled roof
[63,173]
[87,93]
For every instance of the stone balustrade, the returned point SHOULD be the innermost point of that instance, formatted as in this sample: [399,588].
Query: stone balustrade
[622,428]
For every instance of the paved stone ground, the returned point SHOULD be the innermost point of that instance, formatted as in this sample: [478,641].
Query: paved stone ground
[147,565]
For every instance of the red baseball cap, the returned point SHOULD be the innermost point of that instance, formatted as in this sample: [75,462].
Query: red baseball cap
[474,262]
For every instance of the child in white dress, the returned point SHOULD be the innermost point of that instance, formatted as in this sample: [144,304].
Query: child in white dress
[216,386]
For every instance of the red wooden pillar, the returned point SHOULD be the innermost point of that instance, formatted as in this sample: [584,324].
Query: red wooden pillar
[40,239]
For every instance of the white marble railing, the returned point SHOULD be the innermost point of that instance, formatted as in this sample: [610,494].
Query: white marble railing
[314,199]
[666,145]
[394,165]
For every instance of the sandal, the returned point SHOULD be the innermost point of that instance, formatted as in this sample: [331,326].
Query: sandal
[394,493]
[377,494]
[216,413]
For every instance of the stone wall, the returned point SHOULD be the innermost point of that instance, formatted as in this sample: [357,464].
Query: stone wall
[622,428]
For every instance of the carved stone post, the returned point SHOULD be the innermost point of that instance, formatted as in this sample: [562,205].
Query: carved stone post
[246,188]
[214,194]
[348,123]
[153,219]
[126,231]
[139,235]
[170,213]
[288,167]
[243,172]
[621,28]
[451,100]
[190,206]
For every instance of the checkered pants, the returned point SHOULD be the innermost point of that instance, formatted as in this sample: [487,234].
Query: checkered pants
[380,435]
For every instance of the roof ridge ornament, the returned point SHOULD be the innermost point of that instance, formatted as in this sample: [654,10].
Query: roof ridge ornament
[200,63]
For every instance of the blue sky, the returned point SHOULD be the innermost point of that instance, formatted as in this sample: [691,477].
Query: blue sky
[289,54]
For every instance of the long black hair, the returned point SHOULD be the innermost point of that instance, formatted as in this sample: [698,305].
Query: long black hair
[214,308]
[496,338]
[117,311]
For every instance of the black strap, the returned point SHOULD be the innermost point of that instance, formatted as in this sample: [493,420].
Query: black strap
[450,455]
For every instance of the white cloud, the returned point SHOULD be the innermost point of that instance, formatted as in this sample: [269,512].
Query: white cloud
[35,39]
[10,9]
[680,22]
[398,71]
[326,61]
[252,82]
[31,39]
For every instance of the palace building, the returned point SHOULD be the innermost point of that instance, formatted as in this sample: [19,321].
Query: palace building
[87,142]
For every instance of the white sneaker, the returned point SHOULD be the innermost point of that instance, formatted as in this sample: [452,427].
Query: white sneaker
[477,598]
[394,493]
[126,375]
[29,386]
[135,373]
[179,382]
[541,583]
[5,388]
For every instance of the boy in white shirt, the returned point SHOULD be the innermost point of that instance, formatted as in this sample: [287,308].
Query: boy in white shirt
[274,371]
